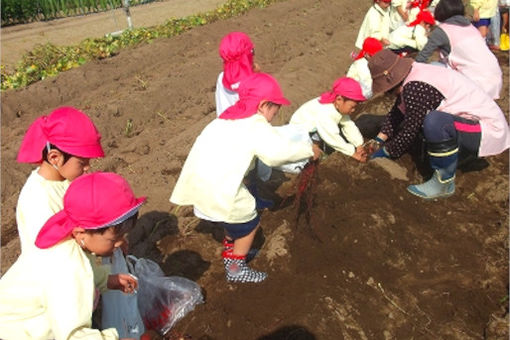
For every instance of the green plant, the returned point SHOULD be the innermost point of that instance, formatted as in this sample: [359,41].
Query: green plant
[49,60]
[129,128]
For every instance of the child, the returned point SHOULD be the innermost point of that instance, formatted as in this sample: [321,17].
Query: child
[376,24]
[212,176]
[61,144]
[398,13]
[453,112]
[359,68]
[412,37]
[324,114]
[462,48]
[236,51]
[484,10]
[504,7]
[48,293]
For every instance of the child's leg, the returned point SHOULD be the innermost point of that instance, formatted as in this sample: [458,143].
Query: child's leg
[242,245]
[234,259]
[483,31]
[504,16]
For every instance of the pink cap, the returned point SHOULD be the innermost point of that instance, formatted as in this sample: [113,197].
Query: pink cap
[236,50]
[259,86]
[370,46]
[92,201]
[345,87]
[424,16]
[67,128]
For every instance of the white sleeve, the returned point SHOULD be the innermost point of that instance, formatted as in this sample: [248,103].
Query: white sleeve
[275,149]
[224,98]
[421,39]
[351,131]
[328,130]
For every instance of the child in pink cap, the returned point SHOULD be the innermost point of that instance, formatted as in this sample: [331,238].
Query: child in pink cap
[359,68]
[237,52]
[62,144]
[414,36]
[323,115]
[212,177]
[49,292]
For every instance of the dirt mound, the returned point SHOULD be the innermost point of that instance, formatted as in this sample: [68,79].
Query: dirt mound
[372,262]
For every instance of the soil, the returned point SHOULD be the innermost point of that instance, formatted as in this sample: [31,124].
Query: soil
[19,39]
[369,262]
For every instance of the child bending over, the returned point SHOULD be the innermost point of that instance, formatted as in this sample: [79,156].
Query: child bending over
[212,177]
[322,116]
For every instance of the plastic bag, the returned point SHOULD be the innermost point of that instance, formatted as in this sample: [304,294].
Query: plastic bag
[120,310]
[162,300]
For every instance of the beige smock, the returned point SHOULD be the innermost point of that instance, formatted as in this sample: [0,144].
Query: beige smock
[376,24]
[38,200]
[49,294]
[325,120]
[212,176]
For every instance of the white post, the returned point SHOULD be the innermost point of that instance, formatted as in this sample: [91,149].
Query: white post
[128,14]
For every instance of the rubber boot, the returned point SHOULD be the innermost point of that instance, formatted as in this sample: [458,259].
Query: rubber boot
[443,159]
[236,269]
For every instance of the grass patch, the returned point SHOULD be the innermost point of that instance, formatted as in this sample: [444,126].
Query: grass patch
[49,60]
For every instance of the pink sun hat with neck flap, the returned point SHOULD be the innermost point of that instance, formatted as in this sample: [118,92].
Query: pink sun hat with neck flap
[236,50]
[67,128]
[92,201]
[254,89]
[345,87]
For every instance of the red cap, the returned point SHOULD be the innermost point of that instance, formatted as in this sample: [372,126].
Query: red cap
[236,50]
[424,16]
[345,87]
[259,86]
[92,201]
[69,129]
[370,46]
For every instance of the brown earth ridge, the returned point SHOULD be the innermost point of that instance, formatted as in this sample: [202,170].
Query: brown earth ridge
[372,262]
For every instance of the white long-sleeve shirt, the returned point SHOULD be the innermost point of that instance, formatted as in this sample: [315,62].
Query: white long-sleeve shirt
[325,120]
[224,97]
[212,177]
[376,24]
[415,37]
[395,18]
[38,200]
[359,70]
[49,294]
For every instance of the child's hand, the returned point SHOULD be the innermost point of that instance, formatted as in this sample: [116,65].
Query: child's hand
[360,154]
[385,42]
[126,283]
[317,152]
